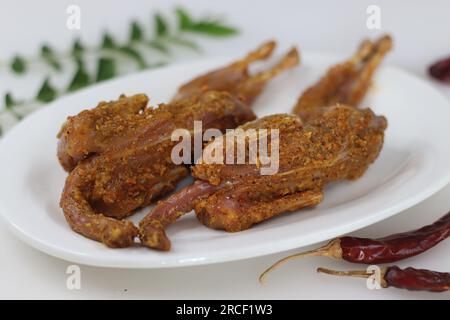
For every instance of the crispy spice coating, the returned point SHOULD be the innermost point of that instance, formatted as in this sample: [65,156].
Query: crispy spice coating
[338,144]
[112,124]
[118,154]
[93,131]
[345,83]
[131,175]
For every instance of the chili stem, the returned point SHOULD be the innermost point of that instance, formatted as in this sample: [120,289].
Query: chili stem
[332,250]
[353,273]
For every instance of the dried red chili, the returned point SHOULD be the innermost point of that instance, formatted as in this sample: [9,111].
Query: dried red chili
[441,70]
[384,250]
[409,278]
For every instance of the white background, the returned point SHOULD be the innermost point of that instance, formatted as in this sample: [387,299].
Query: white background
[420,30]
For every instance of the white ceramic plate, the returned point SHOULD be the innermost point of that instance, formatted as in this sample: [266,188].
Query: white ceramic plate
[413,165]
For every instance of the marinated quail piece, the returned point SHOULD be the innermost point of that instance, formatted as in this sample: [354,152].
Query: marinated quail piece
[112,124]
[345,83]
[338,144]
[341,144]
[235,78]
[116,182]
[97,130]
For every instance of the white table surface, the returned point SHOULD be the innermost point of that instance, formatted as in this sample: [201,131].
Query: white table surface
[420,29]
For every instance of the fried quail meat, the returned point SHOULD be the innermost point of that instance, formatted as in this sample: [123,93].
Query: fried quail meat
[104,188]
[94,131]
[340,143]
[112,124]
[345,83]
[118,154]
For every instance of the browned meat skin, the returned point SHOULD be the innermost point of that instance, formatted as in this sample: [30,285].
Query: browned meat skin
[345,83]
[235,77]
[122,148]
[222,212]
[339,144]
[122,179]
[112,124]
[97,130]
[82,219]
[166,212]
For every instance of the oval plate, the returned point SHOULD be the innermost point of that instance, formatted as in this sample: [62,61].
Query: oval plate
[413,164]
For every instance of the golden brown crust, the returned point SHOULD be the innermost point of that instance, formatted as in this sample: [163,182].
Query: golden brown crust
[340,143]
[99,129]
[122,148]
[118,181]
[112,124]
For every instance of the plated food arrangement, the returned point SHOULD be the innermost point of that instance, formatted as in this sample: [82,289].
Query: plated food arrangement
[329,168]
[119,154]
